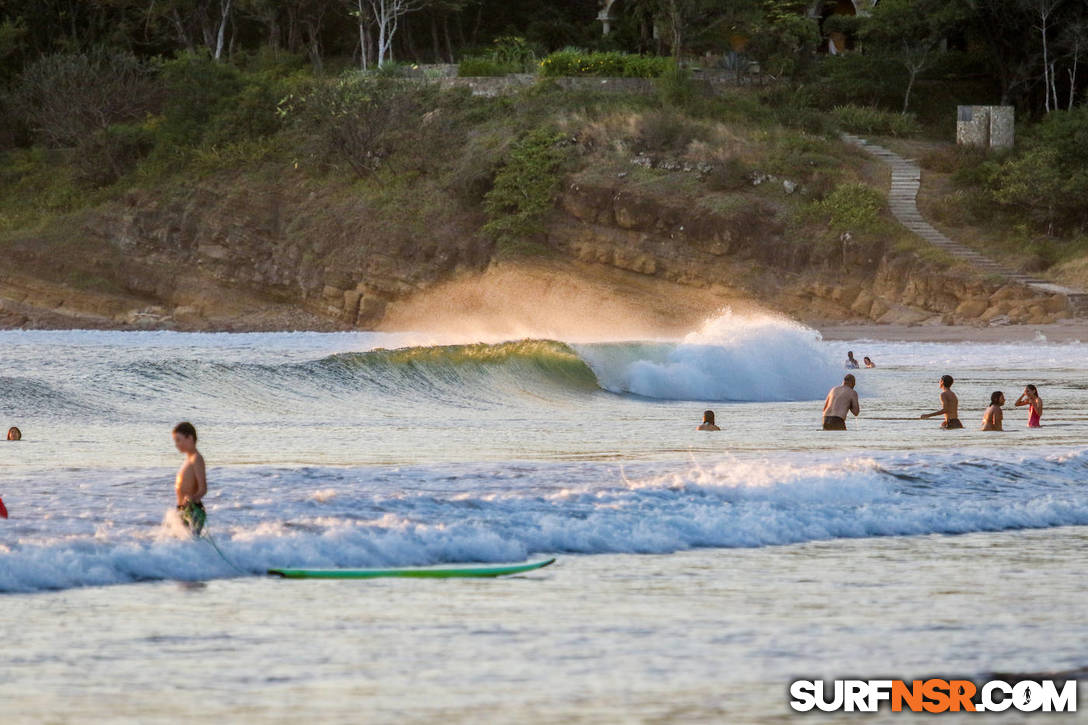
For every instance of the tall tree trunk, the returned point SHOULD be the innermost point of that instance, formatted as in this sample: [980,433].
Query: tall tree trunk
[436,50]
[1073,74]
[1043,16]
[449,41]
[363,50]
[910,87]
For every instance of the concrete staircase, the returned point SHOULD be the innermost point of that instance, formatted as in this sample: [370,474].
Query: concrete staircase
[902,200]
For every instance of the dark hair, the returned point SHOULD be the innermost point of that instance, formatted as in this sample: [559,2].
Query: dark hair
[708,417]
[850,353]
[995,396]
[186,429]
[848,378]
[947,381]
[1033,389]
[865,358]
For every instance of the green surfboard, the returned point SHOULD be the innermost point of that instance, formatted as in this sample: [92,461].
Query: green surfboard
[411,573]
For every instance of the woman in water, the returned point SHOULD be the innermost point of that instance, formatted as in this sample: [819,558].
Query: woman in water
[993,416]
[1030,397]
[708,421]
[14,434]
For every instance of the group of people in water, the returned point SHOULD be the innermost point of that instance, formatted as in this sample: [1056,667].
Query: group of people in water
[842,400]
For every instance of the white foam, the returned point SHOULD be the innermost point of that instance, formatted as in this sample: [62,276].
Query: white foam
[731,358]
[423,516]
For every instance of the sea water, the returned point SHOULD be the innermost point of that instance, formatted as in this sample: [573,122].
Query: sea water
[698,573]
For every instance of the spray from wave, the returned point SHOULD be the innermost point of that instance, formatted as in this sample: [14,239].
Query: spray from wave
[750,358]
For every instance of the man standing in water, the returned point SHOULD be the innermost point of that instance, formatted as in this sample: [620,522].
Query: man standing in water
[192,480]
[851,361]
[840,401]
[950,406]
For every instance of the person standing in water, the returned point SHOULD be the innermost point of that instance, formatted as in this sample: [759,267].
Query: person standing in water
[1030,397]
[191,484]
[841,400]
[950,406]
[708,421]
[851,361]
[993,417]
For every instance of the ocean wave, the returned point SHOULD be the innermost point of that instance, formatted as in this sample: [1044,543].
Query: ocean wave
[370,517]
[732,358]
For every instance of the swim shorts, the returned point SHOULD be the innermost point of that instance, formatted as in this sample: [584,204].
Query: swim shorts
[193,516]
[952,424]
[834,422]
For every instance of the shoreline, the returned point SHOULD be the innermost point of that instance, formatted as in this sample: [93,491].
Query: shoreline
[1069,331]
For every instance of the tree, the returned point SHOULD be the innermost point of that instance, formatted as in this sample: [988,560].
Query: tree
[785,41]
[911,32]
[1043,12]
[387,14]
[1074,40]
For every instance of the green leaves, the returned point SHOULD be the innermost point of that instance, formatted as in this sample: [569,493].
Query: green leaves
[525,187]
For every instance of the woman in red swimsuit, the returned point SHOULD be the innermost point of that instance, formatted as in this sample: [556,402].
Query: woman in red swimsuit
[1030,397]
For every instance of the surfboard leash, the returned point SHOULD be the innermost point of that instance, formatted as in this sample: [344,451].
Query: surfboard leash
[207,536]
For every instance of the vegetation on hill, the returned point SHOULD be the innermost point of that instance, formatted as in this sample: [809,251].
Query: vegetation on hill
[100,99]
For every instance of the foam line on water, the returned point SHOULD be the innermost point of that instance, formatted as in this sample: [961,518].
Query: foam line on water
[370,517]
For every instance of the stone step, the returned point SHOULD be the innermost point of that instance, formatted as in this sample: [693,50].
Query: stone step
[903,203]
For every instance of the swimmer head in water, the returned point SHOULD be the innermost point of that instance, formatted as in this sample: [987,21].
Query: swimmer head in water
[708,421]
[14,434]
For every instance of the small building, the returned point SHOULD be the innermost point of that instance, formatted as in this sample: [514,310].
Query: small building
[989,127]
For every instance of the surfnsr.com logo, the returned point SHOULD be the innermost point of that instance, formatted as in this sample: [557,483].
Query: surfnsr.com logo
[933,695]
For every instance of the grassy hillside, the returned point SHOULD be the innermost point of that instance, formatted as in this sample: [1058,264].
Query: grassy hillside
[344,193]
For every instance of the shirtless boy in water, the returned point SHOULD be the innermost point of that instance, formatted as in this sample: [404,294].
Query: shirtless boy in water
[950,406]
[994,416]
[191,484]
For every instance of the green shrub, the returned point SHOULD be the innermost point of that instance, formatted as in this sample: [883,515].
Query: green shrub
[513,51]
[197,88]
[107,155]
[524,189]
[64,98]
[481,67]
[361,122]
[872,120]
[675,86]
[851,207]
[1048,175]
[611,65]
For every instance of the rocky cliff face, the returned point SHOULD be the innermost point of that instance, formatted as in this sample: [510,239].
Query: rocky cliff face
[224,254]
[746,251]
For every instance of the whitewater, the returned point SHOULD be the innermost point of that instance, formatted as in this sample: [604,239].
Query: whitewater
[403,449]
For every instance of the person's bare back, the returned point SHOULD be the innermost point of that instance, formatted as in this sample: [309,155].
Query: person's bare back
[841,400]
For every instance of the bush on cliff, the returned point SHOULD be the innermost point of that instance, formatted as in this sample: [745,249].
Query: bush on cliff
[524,189]
[1048,177]
[65,98]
